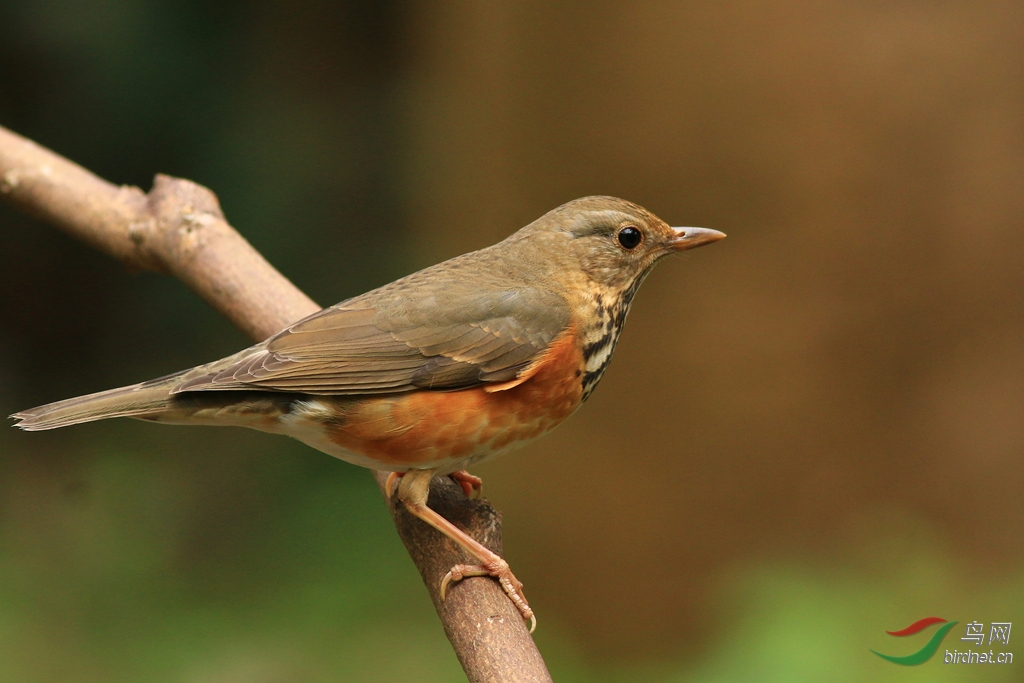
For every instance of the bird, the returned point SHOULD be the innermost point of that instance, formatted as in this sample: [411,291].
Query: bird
[439,370]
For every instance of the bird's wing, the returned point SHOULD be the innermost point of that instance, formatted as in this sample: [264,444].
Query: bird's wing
[437,340]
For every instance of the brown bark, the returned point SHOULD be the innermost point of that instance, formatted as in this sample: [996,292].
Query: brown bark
[178,229]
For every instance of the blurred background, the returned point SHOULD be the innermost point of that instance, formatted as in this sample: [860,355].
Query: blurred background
[812,433]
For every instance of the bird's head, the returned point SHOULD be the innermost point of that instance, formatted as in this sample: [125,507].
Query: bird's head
[615,242]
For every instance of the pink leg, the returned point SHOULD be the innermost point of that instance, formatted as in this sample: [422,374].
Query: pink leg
[413,488]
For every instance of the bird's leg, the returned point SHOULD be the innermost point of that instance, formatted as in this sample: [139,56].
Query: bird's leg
[413,488]
[472,485]
[391,482]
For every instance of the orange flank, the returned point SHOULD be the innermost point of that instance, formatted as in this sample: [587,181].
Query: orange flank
[423,428]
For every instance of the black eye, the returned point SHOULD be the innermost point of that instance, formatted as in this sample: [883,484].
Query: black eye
[630,238]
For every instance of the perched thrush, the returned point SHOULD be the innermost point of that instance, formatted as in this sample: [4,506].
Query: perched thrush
[444,368]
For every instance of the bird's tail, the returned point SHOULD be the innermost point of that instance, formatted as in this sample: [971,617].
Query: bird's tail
[136,400]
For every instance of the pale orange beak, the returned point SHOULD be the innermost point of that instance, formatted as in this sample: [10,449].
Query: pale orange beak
[689,238]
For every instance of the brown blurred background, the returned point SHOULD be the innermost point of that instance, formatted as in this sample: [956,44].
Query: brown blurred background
[813,432]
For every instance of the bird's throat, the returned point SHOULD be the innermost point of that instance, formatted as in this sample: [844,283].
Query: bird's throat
[608,310]
[599,339]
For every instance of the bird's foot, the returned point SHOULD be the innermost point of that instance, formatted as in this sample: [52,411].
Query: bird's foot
[391,483]
[472,485]
[498,569]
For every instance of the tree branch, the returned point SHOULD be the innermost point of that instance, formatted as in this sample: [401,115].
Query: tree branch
[179,229]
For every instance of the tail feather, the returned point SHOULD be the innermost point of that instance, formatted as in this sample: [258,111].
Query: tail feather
[131,401]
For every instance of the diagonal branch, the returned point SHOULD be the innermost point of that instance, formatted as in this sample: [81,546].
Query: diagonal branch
[178,229]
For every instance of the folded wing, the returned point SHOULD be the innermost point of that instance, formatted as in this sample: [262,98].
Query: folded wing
[441,341]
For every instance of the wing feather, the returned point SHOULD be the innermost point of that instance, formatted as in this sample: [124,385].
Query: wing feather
[435,342]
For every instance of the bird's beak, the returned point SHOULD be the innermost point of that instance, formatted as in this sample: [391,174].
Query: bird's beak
[688,238]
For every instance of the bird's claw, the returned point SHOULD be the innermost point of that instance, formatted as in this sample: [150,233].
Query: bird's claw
[472,485]
[391,482]
[512,586]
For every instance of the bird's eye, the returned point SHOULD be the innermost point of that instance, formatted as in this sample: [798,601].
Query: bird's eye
[630,238]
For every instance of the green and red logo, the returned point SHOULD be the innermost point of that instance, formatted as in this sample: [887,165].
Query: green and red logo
[925,653]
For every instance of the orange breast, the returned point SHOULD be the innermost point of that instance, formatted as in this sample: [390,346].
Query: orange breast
[429,429]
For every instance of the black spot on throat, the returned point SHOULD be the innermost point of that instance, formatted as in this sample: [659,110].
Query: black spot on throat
[590,349]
